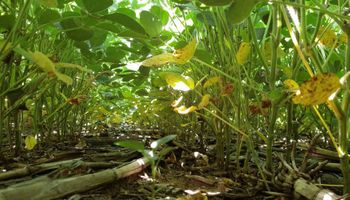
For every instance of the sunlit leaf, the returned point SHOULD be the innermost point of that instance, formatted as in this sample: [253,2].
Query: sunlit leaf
[176,102]
[326,37]
[204,101]
[161,141]
[178,82]
[317,90]
[212,81]
[243,53]
[181,56]
[183,110]
[30,142]
[159,60]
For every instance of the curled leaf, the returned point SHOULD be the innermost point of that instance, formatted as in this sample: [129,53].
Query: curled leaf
[243,53]
[30,142]
[183,110]
[204,101]
[176,102]
[317,90]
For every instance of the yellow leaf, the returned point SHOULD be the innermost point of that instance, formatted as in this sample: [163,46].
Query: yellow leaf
[70,65]
[116,119]
[183,110]
[64,78]
[44,62]
[204,101]
[177,82]
[243,53]
[159,60]
[49,3]
[30,142]
[317,90]
[326,37]
[343,37]
[181,56]
[212,81]
[291,85]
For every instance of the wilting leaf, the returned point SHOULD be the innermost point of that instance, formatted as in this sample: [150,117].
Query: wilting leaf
[158,60]
[178,82]
[317,90]
[212,81]
[30,142]
[243,53]
[204,101]
[179,56]
[227,89]
[48,66]
[183,110]
[326,37]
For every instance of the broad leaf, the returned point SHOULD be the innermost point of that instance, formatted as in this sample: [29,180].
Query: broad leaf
[126,21]
[161,141]
[96,6]
[151,23]
[131,144]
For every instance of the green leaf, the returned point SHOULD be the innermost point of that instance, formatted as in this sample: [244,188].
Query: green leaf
[7,21]
[126,21]
[131,144]
[75,29]
[98,38]
[49,3]
[97,5]
[161,141]
[49,16]
[151,23]
[161,14]
[216,2]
